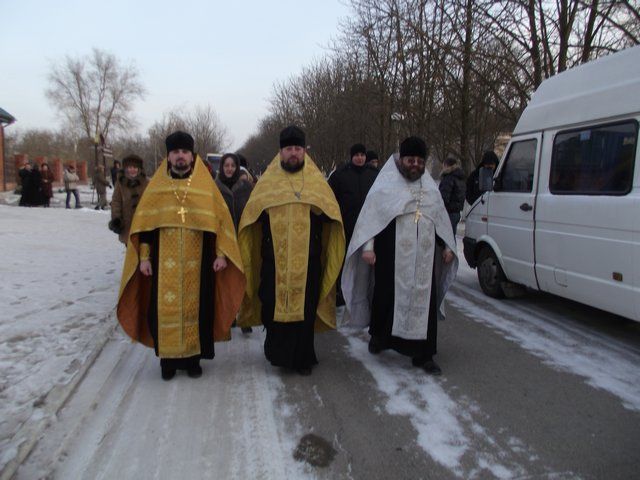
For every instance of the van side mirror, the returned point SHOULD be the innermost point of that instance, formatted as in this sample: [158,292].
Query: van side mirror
[485,179]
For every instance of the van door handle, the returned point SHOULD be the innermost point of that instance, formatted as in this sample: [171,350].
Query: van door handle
[525,207]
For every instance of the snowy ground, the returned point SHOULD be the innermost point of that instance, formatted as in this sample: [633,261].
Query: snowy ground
[60,270]
[60,275]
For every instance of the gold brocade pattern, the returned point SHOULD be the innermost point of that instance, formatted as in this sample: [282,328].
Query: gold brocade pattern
[290,228]
[275,193]
[206,211]
[179,292]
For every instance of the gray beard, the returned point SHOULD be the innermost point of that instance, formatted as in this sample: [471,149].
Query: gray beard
[408,174]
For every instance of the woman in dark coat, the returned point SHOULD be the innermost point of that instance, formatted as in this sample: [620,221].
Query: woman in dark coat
[235,190]
[47,184]
[127,192]
[25,184]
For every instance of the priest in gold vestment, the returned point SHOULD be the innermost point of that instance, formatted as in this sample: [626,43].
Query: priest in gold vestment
[292,244]
[182,282]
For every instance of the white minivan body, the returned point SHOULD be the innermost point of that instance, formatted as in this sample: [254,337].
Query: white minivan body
[564,213]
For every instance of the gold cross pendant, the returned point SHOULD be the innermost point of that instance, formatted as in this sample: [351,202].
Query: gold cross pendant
[417,217]
[181,212]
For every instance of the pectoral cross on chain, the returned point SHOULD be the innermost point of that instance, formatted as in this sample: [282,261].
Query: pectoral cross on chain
[417,217]
[181,212]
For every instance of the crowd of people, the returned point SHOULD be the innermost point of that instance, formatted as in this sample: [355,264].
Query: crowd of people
[207,250]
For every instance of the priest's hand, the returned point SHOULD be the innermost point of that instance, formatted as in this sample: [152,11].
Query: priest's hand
[369,257]
[145,268]
[220,263]
[447,255]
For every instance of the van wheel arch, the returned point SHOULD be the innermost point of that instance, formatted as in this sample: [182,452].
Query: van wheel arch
[490,273]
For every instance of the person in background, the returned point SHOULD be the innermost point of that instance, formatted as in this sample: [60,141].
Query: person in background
[452,188]
[244,167]
[115,170]
[25,183]
[128,190]
[350,184]
[372,159]
[101,183]
[490,161]
[47,184]
[71,180]
[235,189]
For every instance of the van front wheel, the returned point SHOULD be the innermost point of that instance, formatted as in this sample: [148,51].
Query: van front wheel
[490,274]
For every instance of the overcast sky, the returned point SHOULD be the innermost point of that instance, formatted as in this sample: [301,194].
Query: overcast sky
[224,53]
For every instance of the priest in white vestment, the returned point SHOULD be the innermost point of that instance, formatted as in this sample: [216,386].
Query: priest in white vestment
[401,260]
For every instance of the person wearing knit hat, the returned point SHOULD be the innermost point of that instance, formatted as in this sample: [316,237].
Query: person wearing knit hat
[372,158]
[127,191]
[292,244]
[401,260]
[179,140]
[350,184]
[292,136]
[182,281]
[488,165]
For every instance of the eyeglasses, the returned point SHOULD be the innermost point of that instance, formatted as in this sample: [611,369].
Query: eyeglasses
[413,160]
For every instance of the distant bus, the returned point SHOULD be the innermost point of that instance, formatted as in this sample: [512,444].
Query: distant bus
[213,159]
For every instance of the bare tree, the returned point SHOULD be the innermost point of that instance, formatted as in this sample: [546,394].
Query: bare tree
[43,143]
[458,72]
[95,93]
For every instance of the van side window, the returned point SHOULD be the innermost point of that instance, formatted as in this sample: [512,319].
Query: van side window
[594,161]
[517,172]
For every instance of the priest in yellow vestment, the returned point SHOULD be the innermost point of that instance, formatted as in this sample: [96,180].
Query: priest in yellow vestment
[182,282]
[292,244]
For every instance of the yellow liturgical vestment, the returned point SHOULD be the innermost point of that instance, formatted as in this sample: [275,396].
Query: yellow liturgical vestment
[182,211]
[289,198]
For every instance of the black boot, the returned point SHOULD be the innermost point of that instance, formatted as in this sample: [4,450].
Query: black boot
[375,345]
[168,373]
[194,371]
[428,365]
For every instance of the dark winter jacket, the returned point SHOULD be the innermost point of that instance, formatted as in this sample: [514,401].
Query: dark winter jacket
[235,197]
[350,184]
[452,188]
[126,196]
[115,173]
[47,183]
[31,188]
[25,186]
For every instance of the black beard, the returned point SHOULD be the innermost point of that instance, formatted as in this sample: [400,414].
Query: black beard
[291,168]
[180,172]
[181,168]
[410,175]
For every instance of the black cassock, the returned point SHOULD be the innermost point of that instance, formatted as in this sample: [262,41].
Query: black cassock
[290,344]
[382,305]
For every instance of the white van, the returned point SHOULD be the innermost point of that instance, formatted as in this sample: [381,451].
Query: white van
[564,212]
